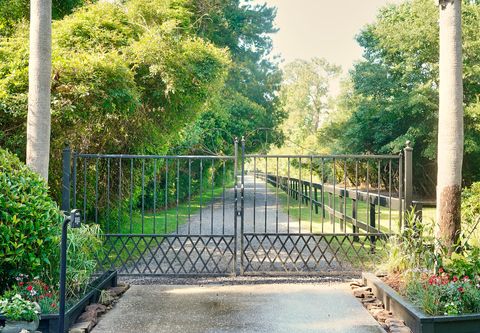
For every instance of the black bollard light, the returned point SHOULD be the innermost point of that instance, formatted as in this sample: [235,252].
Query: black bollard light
[75,221]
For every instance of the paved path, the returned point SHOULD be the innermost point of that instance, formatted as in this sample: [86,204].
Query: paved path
[299,308]
[263,213]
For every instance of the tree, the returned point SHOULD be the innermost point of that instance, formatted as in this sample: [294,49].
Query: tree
[450,123]
[39,72]
[248,104]
[393,93]
[305,98]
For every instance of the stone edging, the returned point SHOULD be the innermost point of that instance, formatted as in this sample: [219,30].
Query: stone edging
[377,309]
[89,318]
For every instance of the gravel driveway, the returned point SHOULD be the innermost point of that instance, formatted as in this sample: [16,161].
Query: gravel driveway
[206,243]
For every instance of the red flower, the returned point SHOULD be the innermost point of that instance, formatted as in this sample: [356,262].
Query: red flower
[48,294]
[440,270]
[29,288]
[466,278]
[460,289]
[45,288]
[455,278]
[54,305]
[21,284]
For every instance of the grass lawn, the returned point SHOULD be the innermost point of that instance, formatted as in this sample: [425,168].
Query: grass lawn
[162,222]
[358,254]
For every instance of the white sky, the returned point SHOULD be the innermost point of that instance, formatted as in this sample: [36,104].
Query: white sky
[322,28]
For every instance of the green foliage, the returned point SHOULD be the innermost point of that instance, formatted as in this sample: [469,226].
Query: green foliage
[412,249]
[29,223]
[444,294]
[35,290]
[101,28]
[13,11]
[466,263]
[120,84]
[305,98]
[248,105]
[471,214]
[18,309]
[84,247]
[393,95]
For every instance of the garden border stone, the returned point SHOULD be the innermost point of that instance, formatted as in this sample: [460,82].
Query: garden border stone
[418,321]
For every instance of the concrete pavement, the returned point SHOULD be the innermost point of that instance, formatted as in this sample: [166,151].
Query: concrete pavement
[302,308]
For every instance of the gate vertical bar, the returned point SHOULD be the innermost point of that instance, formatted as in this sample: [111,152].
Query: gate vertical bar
[408,177]
[66,179]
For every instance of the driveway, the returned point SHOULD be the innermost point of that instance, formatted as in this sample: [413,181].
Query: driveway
[263,213]
[301,308]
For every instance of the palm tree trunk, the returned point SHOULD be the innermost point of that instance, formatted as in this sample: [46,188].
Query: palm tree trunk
[40,66]
[450,124]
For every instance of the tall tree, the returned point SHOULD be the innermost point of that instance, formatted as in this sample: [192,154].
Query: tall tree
[450,123]
[39,72]
[306,100]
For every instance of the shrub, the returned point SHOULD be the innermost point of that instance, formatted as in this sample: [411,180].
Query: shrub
[84,247]
[18,309]
[471,214]
[29,223]
[35,290]
[445,294]
[413,248]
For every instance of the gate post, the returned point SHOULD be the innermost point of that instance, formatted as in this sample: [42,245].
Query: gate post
[408,177]
[242,204]
[66,172]
[236,211]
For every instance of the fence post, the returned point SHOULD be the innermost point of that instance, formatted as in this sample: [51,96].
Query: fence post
[66,172]
[316,199]
[408,182]
[340,209]
[354,217]
[372,224]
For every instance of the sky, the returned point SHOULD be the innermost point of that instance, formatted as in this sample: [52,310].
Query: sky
[322,28]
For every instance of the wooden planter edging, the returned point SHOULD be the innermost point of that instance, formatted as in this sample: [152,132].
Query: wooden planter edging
[416,319]
[49,322]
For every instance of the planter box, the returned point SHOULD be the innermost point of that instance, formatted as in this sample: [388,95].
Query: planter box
[49,322]
[414,317]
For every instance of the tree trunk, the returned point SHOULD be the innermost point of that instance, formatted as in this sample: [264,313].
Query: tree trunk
[450,124]
[39,72]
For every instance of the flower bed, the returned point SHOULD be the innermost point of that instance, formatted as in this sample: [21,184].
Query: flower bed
[417,320]
[49,322]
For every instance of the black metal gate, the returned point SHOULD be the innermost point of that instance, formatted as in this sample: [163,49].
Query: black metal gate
[317,213]
[240,214]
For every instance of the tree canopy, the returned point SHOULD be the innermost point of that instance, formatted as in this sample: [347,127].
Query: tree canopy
[146,76]
[393,92]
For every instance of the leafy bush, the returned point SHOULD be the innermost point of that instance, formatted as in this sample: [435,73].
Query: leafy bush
[84,247]
[29,223]
[471,214]
[18,309]
[445,294]
[413,248]
[35,290]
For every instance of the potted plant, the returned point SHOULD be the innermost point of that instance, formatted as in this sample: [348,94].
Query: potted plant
[21,314]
